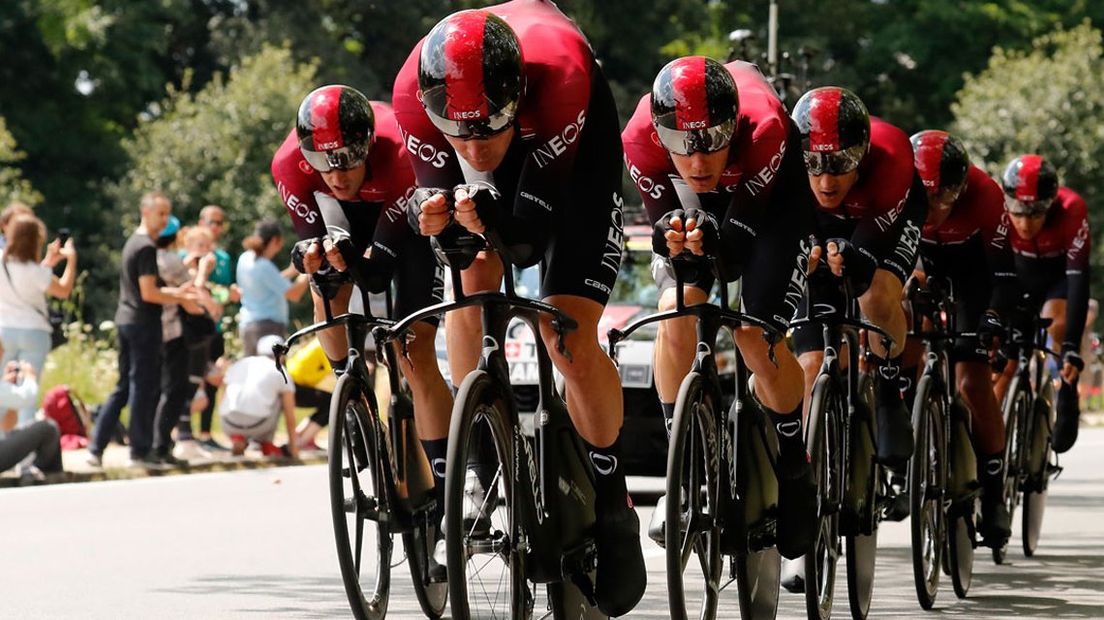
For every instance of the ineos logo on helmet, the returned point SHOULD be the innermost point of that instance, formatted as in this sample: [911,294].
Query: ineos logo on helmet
[695,105]
[835,128]
[335,126]
[942,163]
[470,76]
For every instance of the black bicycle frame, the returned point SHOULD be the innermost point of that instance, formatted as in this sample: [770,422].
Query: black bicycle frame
[555,547]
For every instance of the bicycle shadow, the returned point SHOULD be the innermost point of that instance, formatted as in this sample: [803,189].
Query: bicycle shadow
[1061,581]
[294,596]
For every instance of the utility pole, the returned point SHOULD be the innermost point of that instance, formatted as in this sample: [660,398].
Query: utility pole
[772,38]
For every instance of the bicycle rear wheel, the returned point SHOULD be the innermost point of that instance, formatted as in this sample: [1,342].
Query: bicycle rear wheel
[691,526]
[1016,411]
[358,497]
[823,439]
[960,547]
[432,595]
[1037,468]
[861,548]
[927,480]
[486,558]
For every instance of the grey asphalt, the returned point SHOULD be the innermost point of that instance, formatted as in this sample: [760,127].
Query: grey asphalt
[258,544]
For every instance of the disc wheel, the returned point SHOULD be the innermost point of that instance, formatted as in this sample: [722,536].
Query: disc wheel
[1035,492]
[357,499]
[486,561]
[692,529]
[861,548]
[960,548]
[822,437]
[432,595]
[927,479]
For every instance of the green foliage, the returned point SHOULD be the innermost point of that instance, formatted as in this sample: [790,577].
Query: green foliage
[12,184]
[1049,100]
[216,146]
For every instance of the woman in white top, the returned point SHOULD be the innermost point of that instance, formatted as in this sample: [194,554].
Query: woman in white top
[24,284]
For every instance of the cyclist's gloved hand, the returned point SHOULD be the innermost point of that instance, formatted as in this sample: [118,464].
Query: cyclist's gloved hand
[846,258]
[1072,365]
[307,255]
[428,211]
[990,329]
[669,234]
[477,206]
[702,235]
[340,253]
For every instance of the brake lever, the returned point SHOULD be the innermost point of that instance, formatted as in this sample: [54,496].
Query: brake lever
[279,351]
[562,328]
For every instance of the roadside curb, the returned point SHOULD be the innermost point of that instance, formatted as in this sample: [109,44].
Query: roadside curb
[198,467]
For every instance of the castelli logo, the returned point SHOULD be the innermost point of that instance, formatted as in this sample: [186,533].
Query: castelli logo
[305,168]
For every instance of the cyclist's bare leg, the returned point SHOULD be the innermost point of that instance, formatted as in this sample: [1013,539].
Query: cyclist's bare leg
[778,387]
[674,348]
[810,362]
[594,397]
[432,398]
[464,327]
[881,304]
[975,385]
[333,339]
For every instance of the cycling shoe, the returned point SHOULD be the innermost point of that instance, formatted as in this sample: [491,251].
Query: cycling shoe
[797,508]
[894,433]
[622,576]
[1068,420]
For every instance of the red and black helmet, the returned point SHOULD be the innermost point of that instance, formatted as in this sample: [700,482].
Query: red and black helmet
[470,74]
[835,130]
[942,162]
[335,126]
[1030,185]
[695,105]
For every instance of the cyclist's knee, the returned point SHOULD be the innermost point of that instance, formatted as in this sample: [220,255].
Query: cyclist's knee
[484,274]
[883,299]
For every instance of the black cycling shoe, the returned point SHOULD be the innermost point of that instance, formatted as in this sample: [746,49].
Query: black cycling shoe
[1068,420]
[797,507]
[996,523]
[622,576]
[894,433]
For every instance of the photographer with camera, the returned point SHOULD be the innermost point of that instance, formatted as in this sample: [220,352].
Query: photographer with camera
[26,279]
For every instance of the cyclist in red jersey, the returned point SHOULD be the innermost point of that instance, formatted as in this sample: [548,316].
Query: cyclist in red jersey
[967,227]
[871,206]
[1052,244]
[507,115]
[344,171]
[716,161]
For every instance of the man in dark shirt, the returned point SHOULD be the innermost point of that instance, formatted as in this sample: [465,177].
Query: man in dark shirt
[138,321]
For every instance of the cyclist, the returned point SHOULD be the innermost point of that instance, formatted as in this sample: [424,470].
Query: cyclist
[1051,241]
[716,161]
[344,171]
[966,227]
[870,206]
[515,126]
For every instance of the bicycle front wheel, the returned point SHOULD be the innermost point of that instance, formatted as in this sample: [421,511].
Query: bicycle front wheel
[862,547]
[358,498]
[927,480]
[692,529]
[486,547]
[822,437]
[1038,468]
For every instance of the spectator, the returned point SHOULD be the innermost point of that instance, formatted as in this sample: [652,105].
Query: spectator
[176,388]
[36,446]
[213,219]
[265,290]
[142,294]
[313,377]
[7,215]
[24,285]
[255,395]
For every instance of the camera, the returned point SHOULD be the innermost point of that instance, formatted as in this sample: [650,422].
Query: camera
[63,236]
